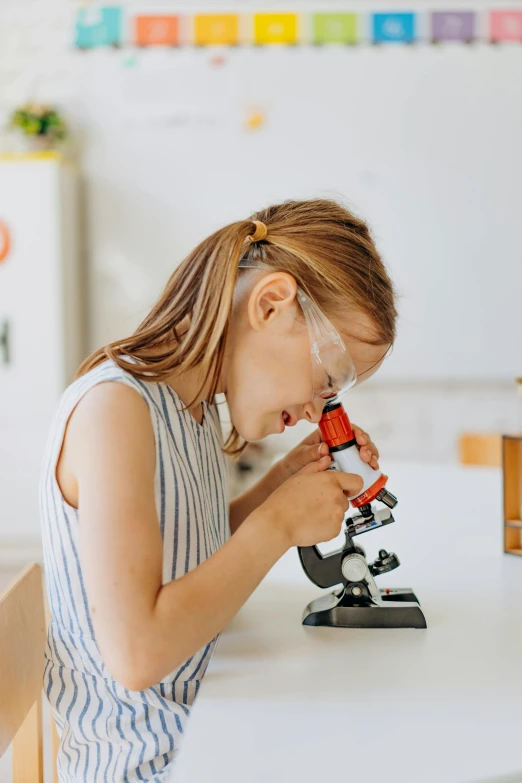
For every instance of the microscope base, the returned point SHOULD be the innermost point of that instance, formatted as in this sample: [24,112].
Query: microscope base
[399,609]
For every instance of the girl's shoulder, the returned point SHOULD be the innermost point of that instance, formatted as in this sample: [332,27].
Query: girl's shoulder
[107,373]
[166,409]
[97,402]
[104,372]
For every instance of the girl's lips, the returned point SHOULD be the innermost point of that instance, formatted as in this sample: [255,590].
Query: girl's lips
[288,419]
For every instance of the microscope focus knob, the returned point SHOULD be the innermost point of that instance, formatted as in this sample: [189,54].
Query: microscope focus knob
[354,568]
[387,561]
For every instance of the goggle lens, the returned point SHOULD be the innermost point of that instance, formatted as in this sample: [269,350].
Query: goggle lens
[333,370]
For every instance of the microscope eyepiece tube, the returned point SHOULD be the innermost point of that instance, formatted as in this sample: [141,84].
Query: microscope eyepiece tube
[337,432]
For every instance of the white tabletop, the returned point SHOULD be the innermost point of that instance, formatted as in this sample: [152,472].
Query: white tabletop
[285,702]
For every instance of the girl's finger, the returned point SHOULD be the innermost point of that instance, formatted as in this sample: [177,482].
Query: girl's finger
[303,455]
[316,465]
[374,450]
[314,437]
[311,453]
[322,450]
[360,436]
[369,452]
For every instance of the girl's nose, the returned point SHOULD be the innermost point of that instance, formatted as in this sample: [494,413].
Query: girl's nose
[314,410]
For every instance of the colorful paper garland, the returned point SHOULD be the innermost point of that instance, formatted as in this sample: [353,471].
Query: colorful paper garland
[101,27]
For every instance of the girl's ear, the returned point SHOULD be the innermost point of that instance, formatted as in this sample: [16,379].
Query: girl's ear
[272,303]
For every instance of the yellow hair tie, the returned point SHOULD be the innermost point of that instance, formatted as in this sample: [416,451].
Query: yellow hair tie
[260,233]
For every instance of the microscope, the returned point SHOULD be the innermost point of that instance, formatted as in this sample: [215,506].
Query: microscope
[357,602]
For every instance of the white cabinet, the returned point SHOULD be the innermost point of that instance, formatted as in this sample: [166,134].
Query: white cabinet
[40,324]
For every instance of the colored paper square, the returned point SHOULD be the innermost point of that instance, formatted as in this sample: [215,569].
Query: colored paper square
[98,27]
[157,30]
[453,26]
[505,26]
[334,28]
[390,28]
[216,29]
[275,28]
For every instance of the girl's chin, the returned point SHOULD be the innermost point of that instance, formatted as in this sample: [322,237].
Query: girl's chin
[251,435]
[273,427]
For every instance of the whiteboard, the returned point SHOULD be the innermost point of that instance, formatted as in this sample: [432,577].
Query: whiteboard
[423,141]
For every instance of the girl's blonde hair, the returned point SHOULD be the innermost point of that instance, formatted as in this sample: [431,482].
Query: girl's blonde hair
[328,251]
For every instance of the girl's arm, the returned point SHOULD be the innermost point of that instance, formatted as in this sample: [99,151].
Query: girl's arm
[145,629]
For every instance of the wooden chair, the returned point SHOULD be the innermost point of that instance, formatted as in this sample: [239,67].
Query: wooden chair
[22,643]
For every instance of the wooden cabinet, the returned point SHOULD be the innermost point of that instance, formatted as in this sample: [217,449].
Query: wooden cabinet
[512,474]
[504,451]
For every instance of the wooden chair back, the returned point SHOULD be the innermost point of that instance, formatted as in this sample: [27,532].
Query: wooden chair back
[22,644]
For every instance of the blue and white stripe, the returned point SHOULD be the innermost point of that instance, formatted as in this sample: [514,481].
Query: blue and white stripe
[109,733]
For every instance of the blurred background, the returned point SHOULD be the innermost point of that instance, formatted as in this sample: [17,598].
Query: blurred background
[132,130]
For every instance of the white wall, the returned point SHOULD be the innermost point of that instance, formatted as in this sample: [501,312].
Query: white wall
[134,236]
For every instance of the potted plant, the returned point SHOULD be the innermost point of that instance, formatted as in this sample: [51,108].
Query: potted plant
[43,127]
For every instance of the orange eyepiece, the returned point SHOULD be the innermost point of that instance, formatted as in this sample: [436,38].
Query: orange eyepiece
[336,428]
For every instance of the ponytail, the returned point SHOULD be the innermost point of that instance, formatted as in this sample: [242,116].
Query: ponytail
[199,293]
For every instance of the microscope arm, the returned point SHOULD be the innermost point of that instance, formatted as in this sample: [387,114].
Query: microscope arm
[324,571]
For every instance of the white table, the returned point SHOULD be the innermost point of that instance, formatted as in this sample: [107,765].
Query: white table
[283,702]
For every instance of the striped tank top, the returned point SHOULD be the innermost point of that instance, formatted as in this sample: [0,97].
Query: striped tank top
[108,733]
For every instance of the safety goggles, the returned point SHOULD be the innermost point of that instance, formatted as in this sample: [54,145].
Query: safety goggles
[333,370]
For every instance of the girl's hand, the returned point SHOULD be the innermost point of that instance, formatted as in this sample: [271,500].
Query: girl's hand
[309,453]
[311,505]
[367,449]
[312,449]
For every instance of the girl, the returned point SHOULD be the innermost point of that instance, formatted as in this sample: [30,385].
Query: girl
[145,560]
